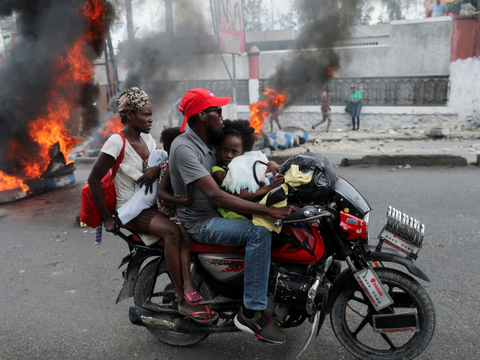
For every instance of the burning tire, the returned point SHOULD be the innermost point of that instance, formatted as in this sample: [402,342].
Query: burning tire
[351,319]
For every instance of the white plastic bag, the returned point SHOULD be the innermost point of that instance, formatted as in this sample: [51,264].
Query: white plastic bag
[240,174]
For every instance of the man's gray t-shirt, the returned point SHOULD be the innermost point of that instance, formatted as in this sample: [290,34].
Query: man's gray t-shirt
[189,160]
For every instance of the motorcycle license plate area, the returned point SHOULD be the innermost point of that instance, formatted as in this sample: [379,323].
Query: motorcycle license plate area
[395,323]
[373,288]
[398,243]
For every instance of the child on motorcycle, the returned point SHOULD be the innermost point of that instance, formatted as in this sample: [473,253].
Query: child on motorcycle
[238,139]
[166,205]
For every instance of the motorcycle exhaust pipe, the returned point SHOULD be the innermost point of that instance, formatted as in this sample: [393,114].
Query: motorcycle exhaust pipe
[144,317]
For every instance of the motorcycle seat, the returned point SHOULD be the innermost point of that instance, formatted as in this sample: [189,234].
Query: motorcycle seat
[202,248]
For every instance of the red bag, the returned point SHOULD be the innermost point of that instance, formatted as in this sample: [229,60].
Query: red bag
[89,213]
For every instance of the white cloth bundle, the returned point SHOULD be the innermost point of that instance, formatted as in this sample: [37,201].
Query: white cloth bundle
[240,172]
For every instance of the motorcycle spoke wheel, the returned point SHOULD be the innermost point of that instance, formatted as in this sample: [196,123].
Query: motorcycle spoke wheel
[351,319]
[163,294]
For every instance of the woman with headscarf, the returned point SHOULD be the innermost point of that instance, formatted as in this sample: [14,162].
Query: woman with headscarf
[135,112]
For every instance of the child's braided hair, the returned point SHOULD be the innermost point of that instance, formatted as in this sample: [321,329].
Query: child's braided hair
[241,129]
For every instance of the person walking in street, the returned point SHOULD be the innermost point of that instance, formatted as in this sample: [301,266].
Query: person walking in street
[437,9]
[192,156]
[356,99]
[325,108]
[274,117]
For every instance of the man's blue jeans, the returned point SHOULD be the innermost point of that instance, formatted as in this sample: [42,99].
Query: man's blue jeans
[257,241]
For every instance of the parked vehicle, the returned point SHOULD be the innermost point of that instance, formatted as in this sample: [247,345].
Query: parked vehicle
[322,263]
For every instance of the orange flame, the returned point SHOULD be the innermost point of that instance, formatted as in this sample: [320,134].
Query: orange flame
[112,126]
[260,109]
[71,72]
[11,182]
[331,70]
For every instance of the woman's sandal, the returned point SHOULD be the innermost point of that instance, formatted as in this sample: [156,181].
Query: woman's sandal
[194,315]
[191,296]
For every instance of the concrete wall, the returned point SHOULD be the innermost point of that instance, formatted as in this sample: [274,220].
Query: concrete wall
[372,117]
[405,48]
[400,49]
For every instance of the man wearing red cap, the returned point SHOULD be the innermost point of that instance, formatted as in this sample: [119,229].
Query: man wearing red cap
[192,155]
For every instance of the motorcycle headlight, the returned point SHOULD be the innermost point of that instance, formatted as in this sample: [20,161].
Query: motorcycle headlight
[367,220]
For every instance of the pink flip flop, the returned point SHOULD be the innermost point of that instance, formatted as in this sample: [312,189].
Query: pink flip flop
[192,295]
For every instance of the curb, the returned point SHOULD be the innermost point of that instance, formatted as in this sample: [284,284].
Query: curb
[412,160]
[84,160]
[312,138]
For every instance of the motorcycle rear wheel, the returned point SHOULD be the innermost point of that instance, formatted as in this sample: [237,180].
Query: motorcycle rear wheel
[352,323]
[163,283]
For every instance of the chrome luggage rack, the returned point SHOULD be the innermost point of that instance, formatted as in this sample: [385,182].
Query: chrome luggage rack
[402,233]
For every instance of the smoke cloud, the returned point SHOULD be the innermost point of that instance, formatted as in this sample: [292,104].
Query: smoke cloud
[326,22]
[153,56]
[45,29]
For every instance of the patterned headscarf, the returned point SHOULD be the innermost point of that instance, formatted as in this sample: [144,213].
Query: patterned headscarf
[131,100]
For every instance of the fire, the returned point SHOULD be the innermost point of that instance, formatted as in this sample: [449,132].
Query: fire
[114,125]
[260,109]
[11,182]
[72,72]
[331,70]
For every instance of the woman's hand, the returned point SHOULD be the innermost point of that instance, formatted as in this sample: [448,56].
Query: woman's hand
[149,176]
[111,226]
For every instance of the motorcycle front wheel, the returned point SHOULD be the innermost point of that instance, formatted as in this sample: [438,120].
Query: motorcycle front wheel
[351,319]
[164,293]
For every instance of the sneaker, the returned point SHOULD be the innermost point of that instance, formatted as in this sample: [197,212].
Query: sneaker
[262,325]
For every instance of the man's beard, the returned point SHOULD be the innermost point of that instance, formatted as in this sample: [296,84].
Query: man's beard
[214,136]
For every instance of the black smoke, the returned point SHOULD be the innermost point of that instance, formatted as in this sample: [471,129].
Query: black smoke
[325,23]
[154,55]
[45,30]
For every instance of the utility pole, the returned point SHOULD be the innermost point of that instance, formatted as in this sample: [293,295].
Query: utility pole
[169,18]
[272,14]
[128,10]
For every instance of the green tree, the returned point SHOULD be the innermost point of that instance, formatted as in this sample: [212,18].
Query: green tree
[256,16]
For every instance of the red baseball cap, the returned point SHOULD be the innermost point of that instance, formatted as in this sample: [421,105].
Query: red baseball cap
[197,100]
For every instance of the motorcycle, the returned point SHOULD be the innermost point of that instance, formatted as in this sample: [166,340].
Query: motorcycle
[321,263]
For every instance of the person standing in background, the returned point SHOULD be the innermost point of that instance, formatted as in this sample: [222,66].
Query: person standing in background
[325,108]
[178,113]
[356,99]
[437,9]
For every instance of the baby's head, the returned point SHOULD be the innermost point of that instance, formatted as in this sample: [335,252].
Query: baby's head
[167,137]
[238,138]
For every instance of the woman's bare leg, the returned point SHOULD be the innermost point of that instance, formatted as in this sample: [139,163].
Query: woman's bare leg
[186,244]
[171,233]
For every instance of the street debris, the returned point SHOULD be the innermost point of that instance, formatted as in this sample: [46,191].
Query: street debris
[54,263]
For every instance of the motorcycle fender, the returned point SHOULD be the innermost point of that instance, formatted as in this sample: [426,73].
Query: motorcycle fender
[411,266]
[130,274]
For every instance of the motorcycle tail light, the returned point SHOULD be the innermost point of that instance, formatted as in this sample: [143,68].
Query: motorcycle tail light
[355,228]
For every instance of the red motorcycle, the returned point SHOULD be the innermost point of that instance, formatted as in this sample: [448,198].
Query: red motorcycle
[322,263]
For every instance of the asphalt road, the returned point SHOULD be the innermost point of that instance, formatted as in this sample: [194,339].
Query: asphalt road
[59,289]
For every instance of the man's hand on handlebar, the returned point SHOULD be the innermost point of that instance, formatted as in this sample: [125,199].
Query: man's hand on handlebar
[280,213]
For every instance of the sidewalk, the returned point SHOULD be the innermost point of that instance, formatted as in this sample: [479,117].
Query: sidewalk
[389,147]
[380,147]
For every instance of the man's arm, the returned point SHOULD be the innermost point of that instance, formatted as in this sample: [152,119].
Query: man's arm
[209,188]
